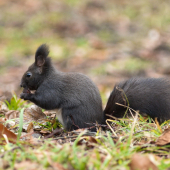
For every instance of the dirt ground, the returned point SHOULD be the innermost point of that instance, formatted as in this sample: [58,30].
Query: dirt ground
[107,40]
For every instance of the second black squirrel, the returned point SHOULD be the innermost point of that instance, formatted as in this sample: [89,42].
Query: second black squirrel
[149,96]
[74,96]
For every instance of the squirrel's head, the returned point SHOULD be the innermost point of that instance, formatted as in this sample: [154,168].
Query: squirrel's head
[36,73]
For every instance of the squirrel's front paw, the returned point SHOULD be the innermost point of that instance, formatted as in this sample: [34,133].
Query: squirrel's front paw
[23,96]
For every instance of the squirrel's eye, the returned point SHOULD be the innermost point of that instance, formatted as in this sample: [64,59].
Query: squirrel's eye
[28,74]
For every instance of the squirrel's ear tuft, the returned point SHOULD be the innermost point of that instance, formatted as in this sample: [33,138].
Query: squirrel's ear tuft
[41,55]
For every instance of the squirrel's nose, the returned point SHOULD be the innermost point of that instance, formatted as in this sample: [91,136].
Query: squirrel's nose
[21,85]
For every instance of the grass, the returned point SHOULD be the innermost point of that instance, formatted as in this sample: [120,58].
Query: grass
[15,103]
[22,31]
[131,66]
[20,124]
[51,124]
[103,151]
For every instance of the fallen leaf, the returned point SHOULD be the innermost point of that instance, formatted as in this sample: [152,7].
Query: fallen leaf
[30,127]
[4,164]
[3,107]
[34,113]
[53,115]
[2,120]
[12,137]
[164,139]
[30,138]
[34,141]
[89,141]
[45,131]
[12,114]
[142,162]
[80,130]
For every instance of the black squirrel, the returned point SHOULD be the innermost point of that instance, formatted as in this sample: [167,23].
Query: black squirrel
[74,96]
[149,96]
[77,100]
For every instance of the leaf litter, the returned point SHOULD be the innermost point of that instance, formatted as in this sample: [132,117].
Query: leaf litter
[146,142]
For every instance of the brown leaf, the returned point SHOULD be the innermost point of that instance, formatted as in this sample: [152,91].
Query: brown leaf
[89,141]
[33,141]
[26,136]
[29,138]
[12,114]
[53,115]
[164,139]
[12,137]
[45,131]
[142,162]
[34,113]
[2,120]
[4,164]
[79,130]
[3,107]
[30,127]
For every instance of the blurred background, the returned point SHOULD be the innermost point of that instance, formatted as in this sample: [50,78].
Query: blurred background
[108,40]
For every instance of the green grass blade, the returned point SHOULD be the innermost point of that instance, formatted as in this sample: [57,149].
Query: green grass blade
[20,123]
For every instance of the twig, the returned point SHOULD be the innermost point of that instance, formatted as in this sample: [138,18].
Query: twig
[54,132]
[71,137]
[126,107]
[73,122]
[111,127]
[116,118]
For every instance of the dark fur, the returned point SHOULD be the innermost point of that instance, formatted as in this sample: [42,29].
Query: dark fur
[148,95]
[74,93]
